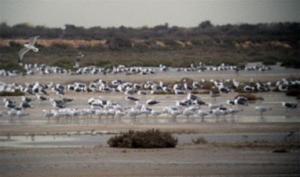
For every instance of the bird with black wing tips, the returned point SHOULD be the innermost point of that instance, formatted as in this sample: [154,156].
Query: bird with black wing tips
[27,47]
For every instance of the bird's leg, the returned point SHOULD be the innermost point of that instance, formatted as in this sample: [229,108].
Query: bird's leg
[217,118]
[232,117]
[187,118]
[286,113]
[99,119]
[174,119]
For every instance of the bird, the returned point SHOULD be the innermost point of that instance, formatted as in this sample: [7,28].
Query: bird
[241,100]
[40,97]
[131,98]
[221,111]
[289,136]
[202,114]
[233,112]
[25,104]
[79,56]
[151,102]
[214,94]
[57,103]
[26,99]
[289,106]
[9,104]
[262,110]
[191,97]
[27,47]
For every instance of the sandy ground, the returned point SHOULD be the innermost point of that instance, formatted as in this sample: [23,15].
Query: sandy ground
[197,160]
[185,160]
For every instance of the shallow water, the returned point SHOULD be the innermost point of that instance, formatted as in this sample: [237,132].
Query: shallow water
[248,113]
[55,141]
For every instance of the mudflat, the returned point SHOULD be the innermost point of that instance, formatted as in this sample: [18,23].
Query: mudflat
[187,160]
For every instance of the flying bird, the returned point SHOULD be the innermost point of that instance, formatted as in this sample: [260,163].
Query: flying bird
[79,56]
[27,47]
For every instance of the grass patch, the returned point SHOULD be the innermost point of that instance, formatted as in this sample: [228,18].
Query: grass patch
[104,64]
[11,66]
[64,63]
[143,139]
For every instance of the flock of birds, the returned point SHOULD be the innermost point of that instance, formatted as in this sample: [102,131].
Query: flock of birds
[43,69]
[191,106]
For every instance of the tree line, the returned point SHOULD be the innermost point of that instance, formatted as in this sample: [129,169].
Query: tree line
[289,31]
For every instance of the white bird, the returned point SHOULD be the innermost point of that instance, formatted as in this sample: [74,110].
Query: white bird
[79,56]
[262,110]
[202,114]
[27,47]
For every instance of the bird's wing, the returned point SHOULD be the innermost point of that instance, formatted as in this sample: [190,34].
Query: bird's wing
[80,55]
[22,52]
[33,40]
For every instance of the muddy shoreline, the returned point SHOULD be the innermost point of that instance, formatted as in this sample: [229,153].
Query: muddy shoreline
[173,128]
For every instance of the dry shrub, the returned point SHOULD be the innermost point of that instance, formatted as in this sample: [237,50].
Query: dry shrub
[143,139]
[207,85]
[281,150]
[203,92]
[250,97]
[294,91]
[200,140]
[187,80]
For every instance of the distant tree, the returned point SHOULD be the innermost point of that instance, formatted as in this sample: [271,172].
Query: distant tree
[205,24]
[119,43]
[5,31]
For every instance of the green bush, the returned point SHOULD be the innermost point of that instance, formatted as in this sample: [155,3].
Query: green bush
[16,93]
[269,62]
[293,63]
[104,63]
[64,63]
[143,139]
[11,66]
